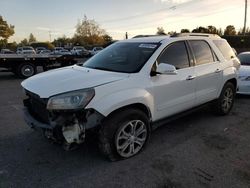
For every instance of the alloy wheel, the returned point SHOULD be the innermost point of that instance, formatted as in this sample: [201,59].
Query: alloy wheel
[130,138]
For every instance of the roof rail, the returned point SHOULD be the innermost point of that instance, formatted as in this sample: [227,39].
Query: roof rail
[141,36]
[196,35]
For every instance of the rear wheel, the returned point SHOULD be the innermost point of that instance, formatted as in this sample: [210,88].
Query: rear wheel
[224,103]
[124,134]
[26,70]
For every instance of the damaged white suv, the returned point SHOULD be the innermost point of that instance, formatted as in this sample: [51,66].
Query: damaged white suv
[131,87]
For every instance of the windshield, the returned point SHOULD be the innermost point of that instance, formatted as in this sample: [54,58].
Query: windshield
[123,57]
[244,59]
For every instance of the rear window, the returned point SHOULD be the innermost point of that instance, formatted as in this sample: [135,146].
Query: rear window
[225,49]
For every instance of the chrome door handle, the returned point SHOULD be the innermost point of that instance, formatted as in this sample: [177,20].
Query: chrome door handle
[190,77]
[217,71]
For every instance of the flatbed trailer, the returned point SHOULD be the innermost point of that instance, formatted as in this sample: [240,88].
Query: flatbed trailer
[25,65]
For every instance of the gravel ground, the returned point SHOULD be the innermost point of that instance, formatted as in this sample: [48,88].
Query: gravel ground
[199,150]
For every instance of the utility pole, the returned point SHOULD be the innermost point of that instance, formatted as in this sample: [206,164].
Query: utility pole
[245,20]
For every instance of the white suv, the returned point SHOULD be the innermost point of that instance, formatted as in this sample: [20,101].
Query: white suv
[129,88]
[26,50]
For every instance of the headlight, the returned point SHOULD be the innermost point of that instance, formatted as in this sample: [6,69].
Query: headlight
[71,100]
[244,78]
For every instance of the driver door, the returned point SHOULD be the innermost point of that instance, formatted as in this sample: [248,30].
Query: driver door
[176,92]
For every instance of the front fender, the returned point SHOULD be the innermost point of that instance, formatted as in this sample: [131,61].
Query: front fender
[109,103]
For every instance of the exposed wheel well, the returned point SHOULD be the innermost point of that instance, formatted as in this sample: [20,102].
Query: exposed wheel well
[138,106]
[234,82]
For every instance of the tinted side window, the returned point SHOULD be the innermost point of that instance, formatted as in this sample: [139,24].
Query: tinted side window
[176,55]
[202,52]
[225,49]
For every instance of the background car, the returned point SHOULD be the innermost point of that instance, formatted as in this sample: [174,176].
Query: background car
[65,52]
[57,50]
[25,50]
[244,73]
[80,51]
[6,51]
[39,49]
[45,52]
[96,50]
[62,52]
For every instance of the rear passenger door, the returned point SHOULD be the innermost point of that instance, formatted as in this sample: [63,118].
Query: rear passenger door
[208,71]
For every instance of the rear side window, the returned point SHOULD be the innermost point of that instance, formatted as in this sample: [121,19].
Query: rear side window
[225,49]
[176,55]
[202,52]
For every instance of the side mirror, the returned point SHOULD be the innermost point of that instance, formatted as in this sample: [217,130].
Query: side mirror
[167,69]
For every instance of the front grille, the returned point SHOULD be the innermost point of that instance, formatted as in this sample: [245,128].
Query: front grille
[37,107]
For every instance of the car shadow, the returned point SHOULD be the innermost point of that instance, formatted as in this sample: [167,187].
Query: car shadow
[242,96]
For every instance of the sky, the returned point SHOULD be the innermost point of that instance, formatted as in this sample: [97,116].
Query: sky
[56,18]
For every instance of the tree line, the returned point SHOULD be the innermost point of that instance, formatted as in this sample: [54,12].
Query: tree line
[89,33]
[228,31]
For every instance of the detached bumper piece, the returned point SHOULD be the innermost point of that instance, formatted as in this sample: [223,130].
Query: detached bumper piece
[32,122]
[65,127]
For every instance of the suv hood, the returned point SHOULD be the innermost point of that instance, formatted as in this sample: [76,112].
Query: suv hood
[68,79]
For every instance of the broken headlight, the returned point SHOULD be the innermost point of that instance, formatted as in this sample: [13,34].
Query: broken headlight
[71,100]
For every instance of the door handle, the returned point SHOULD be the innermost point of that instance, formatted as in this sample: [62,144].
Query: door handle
[217,71]
[190,77]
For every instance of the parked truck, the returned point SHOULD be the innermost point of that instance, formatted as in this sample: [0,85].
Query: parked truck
[25,65]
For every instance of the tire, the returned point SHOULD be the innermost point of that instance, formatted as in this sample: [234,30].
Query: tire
[124,134]
[224,103]
[26,70]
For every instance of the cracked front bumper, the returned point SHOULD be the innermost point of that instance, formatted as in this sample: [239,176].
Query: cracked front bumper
[32,122]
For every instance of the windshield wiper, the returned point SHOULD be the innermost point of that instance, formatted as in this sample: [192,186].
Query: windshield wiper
[101,68]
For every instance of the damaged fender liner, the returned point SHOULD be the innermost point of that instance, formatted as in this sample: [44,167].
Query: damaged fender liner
[71,124]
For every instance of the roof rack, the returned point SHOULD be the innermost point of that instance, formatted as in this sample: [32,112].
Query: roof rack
[141,36]
[195,35]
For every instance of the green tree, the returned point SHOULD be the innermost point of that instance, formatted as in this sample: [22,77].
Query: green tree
[32,38]
[12,46]
[172,33]
[24,42]
[6,31]
[160,31]
[200,30]
[185,31]
[62,41]
[212,29]
[107,39]
[88,32]
[230,30]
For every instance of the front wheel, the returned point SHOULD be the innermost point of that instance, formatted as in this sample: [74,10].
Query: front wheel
[224,103]
[124,134]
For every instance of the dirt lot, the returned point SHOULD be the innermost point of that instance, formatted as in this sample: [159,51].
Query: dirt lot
[199,150]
